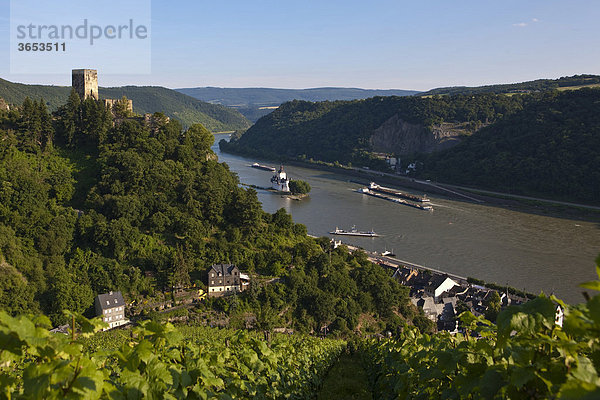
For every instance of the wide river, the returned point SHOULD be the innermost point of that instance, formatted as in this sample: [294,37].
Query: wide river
[525,251]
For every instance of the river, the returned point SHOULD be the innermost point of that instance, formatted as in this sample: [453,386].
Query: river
[526,251]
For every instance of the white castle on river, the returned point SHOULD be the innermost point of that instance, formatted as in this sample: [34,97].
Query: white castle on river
[280,181]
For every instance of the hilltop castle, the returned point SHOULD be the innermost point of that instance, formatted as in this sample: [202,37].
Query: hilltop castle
[85,83]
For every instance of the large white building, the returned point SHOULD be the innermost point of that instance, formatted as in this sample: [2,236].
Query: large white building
[280,181]
[111,307]
[223,279]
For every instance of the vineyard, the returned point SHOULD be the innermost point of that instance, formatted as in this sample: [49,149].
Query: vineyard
[527,354]
[157,362]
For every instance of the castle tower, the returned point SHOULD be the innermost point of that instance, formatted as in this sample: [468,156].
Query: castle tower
[85,83]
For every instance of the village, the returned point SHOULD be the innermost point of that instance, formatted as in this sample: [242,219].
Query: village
[441,296]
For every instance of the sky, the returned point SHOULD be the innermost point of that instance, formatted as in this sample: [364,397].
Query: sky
[397,44]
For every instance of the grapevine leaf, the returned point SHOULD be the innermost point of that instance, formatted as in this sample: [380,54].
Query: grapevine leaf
[594,307]
[575,389]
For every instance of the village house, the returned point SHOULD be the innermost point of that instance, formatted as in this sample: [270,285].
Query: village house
[223,279]
[438,285]
[111,307]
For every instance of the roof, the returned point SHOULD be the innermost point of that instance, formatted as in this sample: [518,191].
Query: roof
[110,300]
[223,269]
[437,280]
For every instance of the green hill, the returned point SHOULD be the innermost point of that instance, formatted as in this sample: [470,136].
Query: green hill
[257,102]
[549,148]
[343,131]
[146,99]
[538,85]
[542,144]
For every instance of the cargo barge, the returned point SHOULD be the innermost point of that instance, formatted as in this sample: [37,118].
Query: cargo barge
[263,167]
[353,232]
[368,192]
[408,196]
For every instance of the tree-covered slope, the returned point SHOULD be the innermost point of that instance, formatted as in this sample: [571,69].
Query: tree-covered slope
[342,130]
[549,148]
[538,85]
[146,99]
[542,144]
[89,204]
[149,99]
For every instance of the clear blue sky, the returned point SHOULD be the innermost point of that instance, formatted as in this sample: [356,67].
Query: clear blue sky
[377,44]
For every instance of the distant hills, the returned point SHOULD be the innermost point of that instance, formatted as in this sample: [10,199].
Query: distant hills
[539,85]
[257,102]
[146,99]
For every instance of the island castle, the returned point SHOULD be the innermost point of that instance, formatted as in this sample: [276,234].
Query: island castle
[280,181]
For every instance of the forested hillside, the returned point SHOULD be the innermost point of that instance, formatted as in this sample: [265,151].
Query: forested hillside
[549,148]
[539,85]
[542,144]
[146,99]
[87,207]
[341,131]
[215,117]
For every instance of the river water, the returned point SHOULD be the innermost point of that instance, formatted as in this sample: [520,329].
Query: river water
[526,251]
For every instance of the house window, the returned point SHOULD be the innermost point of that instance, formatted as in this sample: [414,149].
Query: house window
[212,275]
[107,303]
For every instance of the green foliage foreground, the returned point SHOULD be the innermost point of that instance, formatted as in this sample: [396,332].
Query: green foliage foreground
[525,356]
[157,362]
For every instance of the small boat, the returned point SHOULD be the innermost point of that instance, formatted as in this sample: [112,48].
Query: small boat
[388,254]
[263,167]
[353,232]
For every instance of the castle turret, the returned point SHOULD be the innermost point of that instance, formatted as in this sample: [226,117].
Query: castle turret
[85,83]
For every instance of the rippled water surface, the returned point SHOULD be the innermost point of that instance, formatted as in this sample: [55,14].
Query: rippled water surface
[523,250]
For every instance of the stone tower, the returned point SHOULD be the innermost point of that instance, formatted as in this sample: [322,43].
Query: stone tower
[85,83]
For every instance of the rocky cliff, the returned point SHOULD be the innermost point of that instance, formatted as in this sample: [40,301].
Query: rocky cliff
[400,137]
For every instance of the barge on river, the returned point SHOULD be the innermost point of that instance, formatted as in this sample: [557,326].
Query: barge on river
[263,167]
[353,232]
[369,192]
[408,196]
